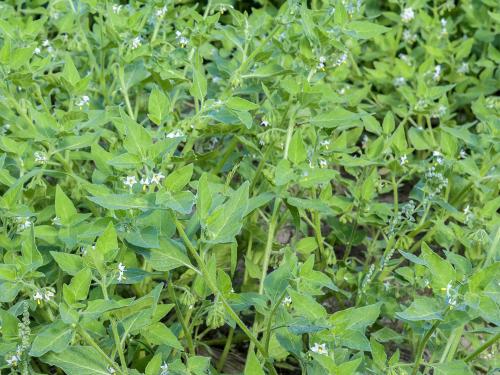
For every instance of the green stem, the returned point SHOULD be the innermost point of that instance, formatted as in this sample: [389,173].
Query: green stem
[121,77]
[114,329]
[215,290]
[92,343]
[482,348]
[225,352]
[421,347]
[269,243]
[178,312]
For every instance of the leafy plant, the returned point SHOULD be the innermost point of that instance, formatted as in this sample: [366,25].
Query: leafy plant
[225,187]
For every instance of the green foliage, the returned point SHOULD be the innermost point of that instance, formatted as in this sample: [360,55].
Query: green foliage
[254,188]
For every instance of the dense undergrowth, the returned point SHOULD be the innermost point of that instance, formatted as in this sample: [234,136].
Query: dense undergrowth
[193,188]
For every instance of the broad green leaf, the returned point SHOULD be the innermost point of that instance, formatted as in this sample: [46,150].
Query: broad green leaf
[65,209]
[335,118]
[240,104]
[366,30]
[253,366]
[78,360]
[179,178]
[160,334]
[54,337]
[297,150]
[158,106]
[69,263]
[422,309]
[80,284]
[225,222]
[199,87]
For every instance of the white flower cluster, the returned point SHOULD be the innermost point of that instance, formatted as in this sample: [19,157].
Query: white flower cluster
[160,13]
[451,295]
[40,157]
[341,59]
[175,134]
[368,278]
[399,81]
[386,259]
[155,179]
[181,39]
[321,63]
[407,15]
[325,143]
[45,294]
[23,223]
[83,101]
[440,111]
[264,123]
[45,44]
[121,272]
[409,37]
[436,180]
[136,42]
[319,349]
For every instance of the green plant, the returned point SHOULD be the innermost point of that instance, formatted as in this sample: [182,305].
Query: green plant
[281,187]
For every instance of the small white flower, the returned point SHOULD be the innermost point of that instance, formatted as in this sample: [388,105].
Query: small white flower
[262,142]
[13,360]
[37,51]
[463,68]
[181,39]
[157,177]
[121,272]
[399,81]
[84,100]
[323,163]
[145,181]
[46,43]
[364,141]
[175,134]
[404,57]
[287,301]
[463,154]
[467,210]
[136,42]
[111,370]
[38,297]
[117,8]
[325,143]
[130,181]
[40,157]
[319,349]
[56,221]
[164,369]
[403,160]
[264,123]
[342,59]
[48,294]
[407,15]
[321,63]
[23,223]
[409,37]
[83,250]
[436,76]
[161,12]
[438,156]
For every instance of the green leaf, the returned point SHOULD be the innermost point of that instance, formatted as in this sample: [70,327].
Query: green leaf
[53,337]
[80,284]
[366,30]
[199,87]
[69,263]
[78,360]
[70,73]
[160,334]
[158,106]
[240,104]
[422,309]
[456,367]
[65,209]
[388,125]
[179,178]
[441,270]
[204,201]
[154,365]
[225,222]
[253,366]
[335,118]
[297,150]
[168,257]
